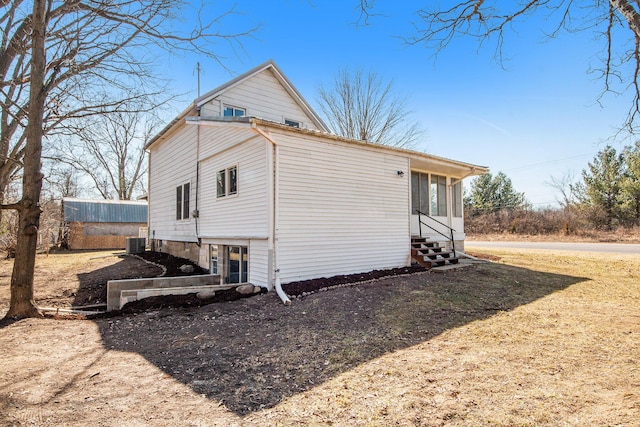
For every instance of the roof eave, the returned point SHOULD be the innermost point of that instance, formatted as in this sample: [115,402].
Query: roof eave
[170,126]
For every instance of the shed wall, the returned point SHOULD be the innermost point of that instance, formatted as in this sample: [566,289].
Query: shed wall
[101,235]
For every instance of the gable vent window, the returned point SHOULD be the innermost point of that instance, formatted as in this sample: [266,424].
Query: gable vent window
[227,182]
[182,201]
[292,123]
[233,111]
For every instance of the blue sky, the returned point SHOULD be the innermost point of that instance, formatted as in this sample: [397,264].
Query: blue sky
[536,117]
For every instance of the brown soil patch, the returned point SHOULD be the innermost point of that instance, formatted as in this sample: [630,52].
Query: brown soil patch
[539,339]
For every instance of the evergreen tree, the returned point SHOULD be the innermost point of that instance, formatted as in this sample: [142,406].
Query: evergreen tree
[601,189]
[489,193]
[630,186]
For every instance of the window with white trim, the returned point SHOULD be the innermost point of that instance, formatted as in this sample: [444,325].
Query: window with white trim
[229,111]
[213,256]
[182,201]
[227,182]
[237,264]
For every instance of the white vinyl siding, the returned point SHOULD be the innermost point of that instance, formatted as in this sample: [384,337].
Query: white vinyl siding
[246,215]
[259,263]
[342,209]
[216,139]
[261,96]
[172,163]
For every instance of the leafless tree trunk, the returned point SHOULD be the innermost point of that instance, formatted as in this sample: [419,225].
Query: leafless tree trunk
[364,107]
[69,59]
[22,302]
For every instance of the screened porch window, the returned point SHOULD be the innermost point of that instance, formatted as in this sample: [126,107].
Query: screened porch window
[438,195]
[457,199]
[419,192]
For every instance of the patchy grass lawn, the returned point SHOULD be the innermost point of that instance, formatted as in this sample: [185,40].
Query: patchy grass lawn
[536,338]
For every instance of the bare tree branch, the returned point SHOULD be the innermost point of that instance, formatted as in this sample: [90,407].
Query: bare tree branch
[615,23]
[365,108]
[95,54]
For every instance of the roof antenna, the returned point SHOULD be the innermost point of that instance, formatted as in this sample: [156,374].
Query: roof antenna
[198,70]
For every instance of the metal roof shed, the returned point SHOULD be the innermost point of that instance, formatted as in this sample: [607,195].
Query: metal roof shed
[110,211]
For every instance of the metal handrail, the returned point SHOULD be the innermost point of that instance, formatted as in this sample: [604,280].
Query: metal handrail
[451,230]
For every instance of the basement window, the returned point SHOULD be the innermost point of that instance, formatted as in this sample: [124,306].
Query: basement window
[237,264]
[213,255]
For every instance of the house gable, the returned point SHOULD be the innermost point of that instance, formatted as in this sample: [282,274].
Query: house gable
[265,93]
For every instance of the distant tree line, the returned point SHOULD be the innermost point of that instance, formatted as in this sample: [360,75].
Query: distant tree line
[605,197]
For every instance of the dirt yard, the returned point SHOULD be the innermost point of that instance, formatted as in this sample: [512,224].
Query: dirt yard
[533,338]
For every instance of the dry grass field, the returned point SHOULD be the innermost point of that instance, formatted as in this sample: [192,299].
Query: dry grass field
[532,339]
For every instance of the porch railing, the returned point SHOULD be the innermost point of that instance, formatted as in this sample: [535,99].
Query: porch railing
[422,222]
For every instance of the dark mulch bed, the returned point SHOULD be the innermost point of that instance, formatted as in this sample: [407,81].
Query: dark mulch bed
[182,301]
[172,263]
[293,289]
[313,285]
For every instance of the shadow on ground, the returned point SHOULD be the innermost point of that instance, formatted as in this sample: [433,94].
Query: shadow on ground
[92,287]
[253,353]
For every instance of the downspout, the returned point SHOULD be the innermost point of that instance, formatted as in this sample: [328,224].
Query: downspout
[196,212]
[274,203]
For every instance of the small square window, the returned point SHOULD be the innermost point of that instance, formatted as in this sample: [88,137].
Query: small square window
[292,123]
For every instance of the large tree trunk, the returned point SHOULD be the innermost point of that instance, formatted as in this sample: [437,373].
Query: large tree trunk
[22,303]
